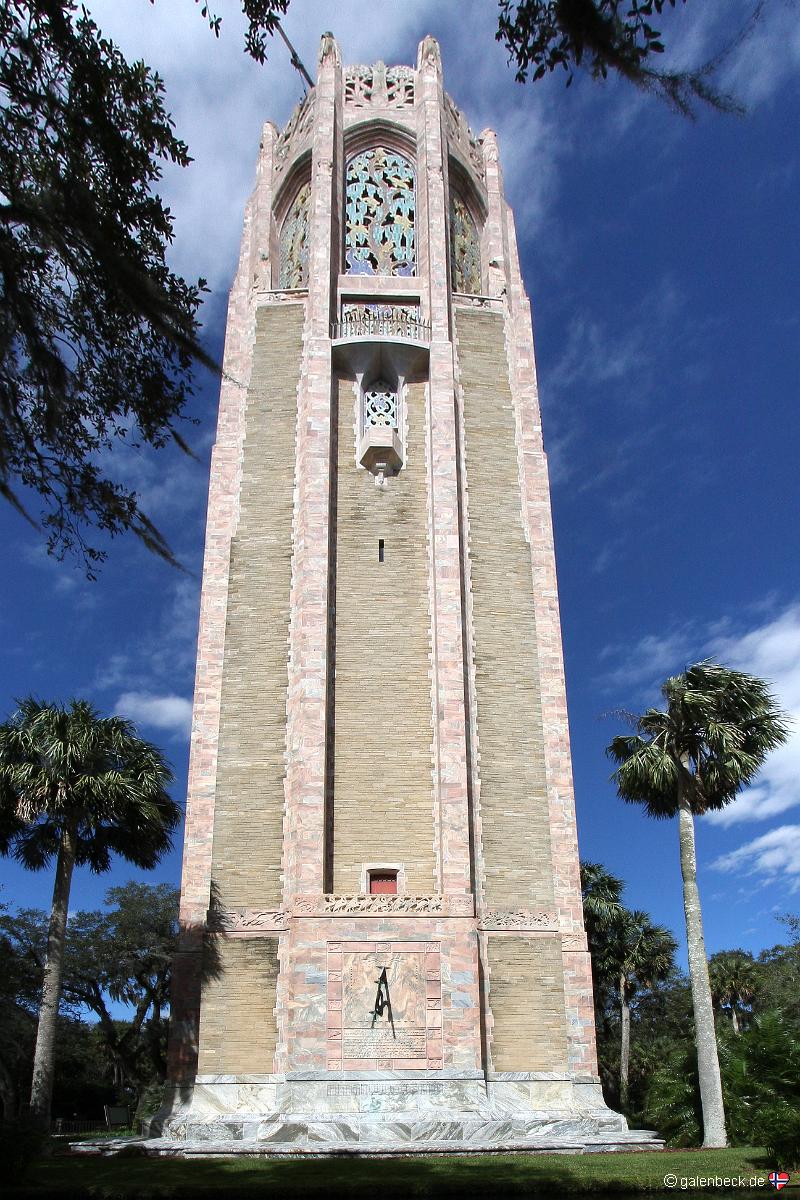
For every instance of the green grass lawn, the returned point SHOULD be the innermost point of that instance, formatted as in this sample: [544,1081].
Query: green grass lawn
[381,1179]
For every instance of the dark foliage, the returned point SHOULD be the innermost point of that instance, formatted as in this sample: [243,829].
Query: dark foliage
[97,334]
[123,954]
[126,955]
[609,35]
[262,21]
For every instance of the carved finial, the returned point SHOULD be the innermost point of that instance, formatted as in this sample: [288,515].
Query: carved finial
[329,55]
[488,141]
[379,82]
[269,134]
[429,56]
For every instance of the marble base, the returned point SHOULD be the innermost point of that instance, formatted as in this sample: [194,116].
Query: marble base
[387,1113]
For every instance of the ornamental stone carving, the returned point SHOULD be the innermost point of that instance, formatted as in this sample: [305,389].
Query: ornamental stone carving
[380,405]
[400,87]
[248,920]
[461,138]
[298,126]
[329,51]
[396,906]
[518,919]
[379,86]
[358,84]
[429,56]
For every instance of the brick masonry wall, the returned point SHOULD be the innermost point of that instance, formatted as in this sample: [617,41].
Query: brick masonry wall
[237,1016]
[382,803]
[527,993]
[513,793]
[248,825]
[539,529]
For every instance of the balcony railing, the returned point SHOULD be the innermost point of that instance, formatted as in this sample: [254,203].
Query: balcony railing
[367,326]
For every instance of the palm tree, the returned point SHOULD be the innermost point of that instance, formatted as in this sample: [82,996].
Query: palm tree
[77,787]
[601,893]
[734,980]
[718,727]
[642,954]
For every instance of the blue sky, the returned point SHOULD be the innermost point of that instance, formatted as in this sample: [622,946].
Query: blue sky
[661,257]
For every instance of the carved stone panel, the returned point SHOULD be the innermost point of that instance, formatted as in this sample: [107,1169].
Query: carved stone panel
[247,920]
[384,1005]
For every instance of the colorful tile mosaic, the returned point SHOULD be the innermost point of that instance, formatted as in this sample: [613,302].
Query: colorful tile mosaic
[465,248]
[380,214]
[294,242]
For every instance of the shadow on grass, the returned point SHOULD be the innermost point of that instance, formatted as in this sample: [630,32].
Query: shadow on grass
[130,1175]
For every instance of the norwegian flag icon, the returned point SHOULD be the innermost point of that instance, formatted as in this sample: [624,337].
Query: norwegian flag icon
[778,1179]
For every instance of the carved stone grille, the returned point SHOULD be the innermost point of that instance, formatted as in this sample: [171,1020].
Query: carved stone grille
[294,242]
[465,249]
[391,87]
[380,405]
[380,211]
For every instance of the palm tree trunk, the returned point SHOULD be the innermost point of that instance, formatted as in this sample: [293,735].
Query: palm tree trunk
[625,1044]
[8,1094]
[705,1036]
[44,1061]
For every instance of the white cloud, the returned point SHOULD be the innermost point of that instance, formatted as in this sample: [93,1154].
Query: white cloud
[774,855]
[771,651]
[649,661]
[162,712]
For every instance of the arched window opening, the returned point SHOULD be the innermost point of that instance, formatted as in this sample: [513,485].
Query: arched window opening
[465,248]
[294,242]
[380,213]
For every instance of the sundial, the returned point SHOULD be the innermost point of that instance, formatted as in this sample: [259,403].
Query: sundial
[383,1002]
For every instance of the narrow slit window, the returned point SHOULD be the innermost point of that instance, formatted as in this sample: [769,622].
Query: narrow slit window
[383,883]
[380,550]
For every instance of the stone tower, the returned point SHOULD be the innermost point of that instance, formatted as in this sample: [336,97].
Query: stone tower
[381,910]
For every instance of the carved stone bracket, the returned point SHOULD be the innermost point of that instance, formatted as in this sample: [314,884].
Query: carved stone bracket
[518,919]
[396,906]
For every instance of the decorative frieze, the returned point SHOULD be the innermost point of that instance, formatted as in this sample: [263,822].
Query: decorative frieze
[395,906]
[248,920]
[518,919]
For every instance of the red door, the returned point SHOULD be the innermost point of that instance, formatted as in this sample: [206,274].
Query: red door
[383,883]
